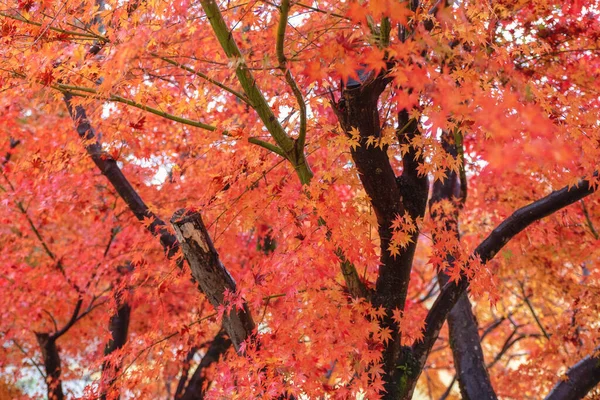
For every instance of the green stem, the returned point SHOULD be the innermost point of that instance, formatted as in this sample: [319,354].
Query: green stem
[289,147]
[203,76]
[63,31]
[285,9]
[88,92]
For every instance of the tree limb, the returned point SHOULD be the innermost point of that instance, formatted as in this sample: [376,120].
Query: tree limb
[532,310]
[109,168]
[185,369]
[496,240]
[212,277]
[118,326]
[237,94]
[290,147]
[580,379]
[284,9]
[74,318]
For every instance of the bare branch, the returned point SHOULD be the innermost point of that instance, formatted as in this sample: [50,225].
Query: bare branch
[185,369]
[580,379]
[535,317]
[496,240]
[74,318]
[118,326]
[284,9]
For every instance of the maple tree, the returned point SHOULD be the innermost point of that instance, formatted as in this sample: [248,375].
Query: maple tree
[256,199]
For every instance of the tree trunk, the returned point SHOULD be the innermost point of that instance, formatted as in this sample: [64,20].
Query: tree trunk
[210,274]
[52,365]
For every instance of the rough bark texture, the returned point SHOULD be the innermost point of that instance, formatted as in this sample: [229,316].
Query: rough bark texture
[357,112]
[210,274]
[198,383]
[51,358]
[581,378]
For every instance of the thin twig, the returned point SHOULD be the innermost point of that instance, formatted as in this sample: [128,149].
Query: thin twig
[589,220]
[36,365]
[283,21]
[530,306]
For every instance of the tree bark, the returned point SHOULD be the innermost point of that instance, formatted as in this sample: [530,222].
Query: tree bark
[473,377]
[109,168]
[214,280]
[391,197]
[357,113]
[580,379]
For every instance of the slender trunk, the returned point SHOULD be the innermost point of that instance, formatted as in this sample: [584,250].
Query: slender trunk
[118,326]
[52,365]
[473,377]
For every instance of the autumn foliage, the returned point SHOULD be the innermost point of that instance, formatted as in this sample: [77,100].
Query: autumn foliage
[299,199]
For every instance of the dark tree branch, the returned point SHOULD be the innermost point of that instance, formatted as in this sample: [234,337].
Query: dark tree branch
[448,390]
[510,342]
[413,187]
[205,265]
[356,287]
[109,168]
[357,112]
[358,115]
[13,143]
[492,326]
[532,310]
[198,384]
[33,362]
[433,290]
[38,235]
[354,284]
[473,377]
[508,229]
[74,318]
[214,280]
[581,378]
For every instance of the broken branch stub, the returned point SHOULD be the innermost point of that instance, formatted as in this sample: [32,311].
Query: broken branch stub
[211,275]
